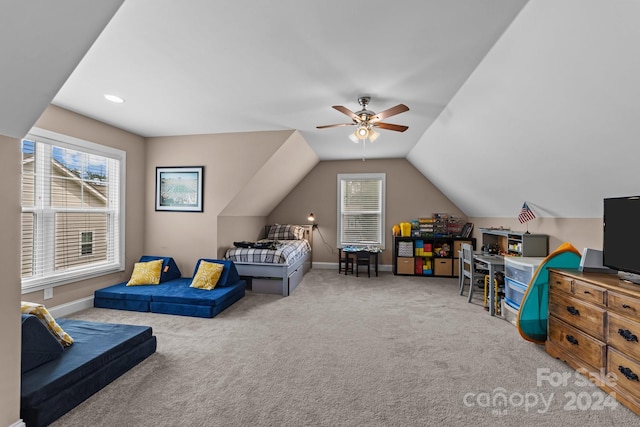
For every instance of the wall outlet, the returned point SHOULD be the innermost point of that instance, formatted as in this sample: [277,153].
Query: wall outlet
[48,293]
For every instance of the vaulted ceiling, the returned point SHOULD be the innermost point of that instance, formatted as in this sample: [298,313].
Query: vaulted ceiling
[510,100]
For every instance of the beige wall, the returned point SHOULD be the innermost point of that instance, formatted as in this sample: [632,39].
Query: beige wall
[10,283]
[62,121]
[409,195]
[231,162]
[580,232]
[236,229]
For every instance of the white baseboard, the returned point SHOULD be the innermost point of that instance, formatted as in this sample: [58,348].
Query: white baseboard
[334,266]
[71,307]
[18,423]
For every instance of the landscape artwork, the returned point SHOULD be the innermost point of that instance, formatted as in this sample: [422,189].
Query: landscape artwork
[179,189]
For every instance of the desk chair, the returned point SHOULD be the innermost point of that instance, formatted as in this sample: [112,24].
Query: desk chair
[468,270]
[363,258]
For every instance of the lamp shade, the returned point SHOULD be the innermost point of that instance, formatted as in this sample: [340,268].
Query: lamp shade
[311,217]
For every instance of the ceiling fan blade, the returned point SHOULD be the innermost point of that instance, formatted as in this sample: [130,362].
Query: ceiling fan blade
[334,126]
[400,108]
[389,126]
[345,110]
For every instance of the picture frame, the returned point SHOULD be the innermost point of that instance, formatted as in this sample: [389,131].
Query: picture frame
[179,189]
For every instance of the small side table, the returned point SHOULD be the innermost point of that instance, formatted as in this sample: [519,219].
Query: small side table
[347,258]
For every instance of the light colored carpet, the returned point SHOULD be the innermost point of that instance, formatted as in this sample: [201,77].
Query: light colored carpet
[344,351]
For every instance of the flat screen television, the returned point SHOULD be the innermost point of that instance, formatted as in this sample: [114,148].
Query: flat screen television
[621,236]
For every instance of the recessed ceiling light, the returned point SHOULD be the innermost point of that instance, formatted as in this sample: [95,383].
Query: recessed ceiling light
[114,98]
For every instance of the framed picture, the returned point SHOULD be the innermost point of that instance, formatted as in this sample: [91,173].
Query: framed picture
[179,189]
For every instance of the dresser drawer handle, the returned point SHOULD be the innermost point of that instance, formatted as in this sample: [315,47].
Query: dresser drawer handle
[626,306]
[587,292]
[627,335]
[572,339]
[628,373]
[572,310]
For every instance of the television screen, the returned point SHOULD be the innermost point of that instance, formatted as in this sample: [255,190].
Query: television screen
[621,234]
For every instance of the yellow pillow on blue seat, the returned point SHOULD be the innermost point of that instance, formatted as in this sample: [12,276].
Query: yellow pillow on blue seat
[146,273]
[207,275]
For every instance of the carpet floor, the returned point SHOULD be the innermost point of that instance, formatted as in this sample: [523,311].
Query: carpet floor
[345,351]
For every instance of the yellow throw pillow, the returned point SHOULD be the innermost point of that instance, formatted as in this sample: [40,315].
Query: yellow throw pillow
[146,273]
[207,275]
[41,312]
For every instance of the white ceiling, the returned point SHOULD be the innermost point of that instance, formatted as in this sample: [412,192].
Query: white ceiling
[510,100]
[550,116]
[199,67]
[41,42]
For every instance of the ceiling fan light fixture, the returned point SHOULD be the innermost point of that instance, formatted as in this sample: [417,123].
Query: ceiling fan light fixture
[362,132]
[373,135]
[354,137]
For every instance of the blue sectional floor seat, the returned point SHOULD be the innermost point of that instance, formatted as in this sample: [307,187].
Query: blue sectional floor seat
[175,296]
[57,379]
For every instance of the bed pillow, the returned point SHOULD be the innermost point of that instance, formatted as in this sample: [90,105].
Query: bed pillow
[170,269]
[146,273]
[41,312]
[285,232]
[229,274]
[207,276]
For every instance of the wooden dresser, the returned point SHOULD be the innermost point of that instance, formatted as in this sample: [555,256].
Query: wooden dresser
[594,326]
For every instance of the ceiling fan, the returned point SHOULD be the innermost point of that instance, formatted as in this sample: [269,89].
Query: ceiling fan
[366,120]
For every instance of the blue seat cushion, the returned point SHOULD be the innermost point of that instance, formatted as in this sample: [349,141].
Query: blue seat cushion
[95,344]
[39,346]
[180,292]
[122,291]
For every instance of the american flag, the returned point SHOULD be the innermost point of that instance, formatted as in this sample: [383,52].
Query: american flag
[526,214]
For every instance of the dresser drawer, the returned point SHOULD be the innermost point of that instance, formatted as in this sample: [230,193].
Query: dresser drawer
[560,283]
[588,292]
[624,334]
[627,371]
[577,343]
[584,316]
[623,304]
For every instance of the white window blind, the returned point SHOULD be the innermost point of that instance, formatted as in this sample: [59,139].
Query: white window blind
[361,209]
[72,210]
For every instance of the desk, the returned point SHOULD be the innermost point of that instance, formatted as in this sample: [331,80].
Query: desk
[348,251]
[492,263]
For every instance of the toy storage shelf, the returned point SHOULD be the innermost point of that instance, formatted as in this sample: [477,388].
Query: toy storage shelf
[427,256]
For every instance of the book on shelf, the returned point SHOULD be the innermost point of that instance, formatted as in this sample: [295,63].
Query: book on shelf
[466,230]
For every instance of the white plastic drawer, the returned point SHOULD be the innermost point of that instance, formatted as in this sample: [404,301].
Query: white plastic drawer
[521,270]
[514,292]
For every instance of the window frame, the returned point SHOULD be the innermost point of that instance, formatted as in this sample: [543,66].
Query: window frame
[116,216]
[382,201]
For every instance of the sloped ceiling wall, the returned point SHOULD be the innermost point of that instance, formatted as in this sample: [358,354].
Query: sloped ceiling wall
[274,180]
[41,43]
[550,116]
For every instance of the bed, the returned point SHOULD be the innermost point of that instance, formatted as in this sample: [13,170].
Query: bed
[277,263]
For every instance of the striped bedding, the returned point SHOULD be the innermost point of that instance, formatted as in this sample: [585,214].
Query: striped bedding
[286,252]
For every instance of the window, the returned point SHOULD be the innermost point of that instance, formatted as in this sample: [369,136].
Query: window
[72,210]
[361,209]
[86,243]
